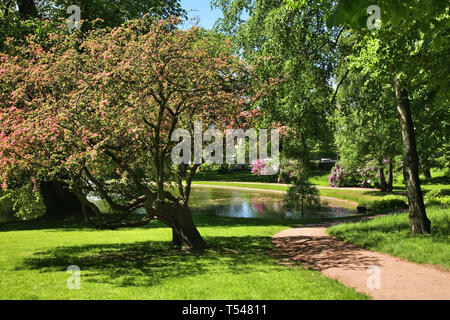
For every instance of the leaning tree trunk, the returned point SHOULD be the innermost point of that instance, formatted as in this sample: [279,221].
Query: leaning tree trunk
[179,218]
[419,221]
[59,201]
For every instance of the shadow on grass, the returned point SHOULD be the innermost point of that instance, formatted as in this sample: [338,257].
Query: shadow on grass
[233,176]
[149,263]
[77,224]
[321,253]
[436,180]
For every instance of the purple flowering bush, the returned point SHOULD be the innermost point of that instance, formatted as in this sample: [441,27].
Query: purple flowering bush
[341,177]
[259,166]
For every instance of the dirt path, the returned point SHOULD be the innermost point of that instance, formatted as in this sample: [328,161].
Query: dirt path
[358,268]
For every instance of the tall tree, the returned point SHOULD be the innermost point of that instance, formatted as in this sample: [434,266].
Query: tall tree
[58,199]
[104,115]
[413,37]
[295,45]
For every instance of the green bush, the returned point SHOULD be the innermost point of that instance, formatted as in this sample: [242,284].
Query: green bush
[24,202]
[6,205]
[437,197]
[433,194]
[439,201]
[384,205]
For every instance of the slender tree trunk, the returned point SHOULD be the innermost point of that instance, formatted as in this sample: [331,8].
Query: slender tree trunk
[390,184]
[384,186]
[420,223]
[303,212]
[427,173]
[305,152]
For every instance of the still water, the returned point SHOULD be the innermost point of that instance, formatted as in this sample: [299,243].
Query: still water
[256,204]
[244,204]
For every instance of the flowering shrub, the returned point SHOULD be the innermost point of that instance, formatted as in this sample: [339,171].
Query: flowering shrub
[341,177]
[259,166]
[291,169]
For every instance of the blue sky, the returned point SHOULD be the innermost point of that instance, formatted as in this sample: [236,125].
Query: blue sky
[202,9]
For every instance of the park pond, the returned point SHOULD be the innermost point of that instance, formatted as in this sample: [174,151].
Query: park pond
[239,203]
[248,203]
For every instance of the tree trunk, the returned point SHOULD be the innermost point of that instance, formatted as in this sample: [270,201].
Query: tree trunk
[427,173]
[27,9]
[58,200]
[420,224]
[303,213]
[384,187]
[179,218]
[390,184]
[177,241]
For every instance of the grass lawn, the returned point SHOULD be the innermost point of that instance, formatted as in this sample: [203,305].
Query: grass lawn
[391,235]
[139,264]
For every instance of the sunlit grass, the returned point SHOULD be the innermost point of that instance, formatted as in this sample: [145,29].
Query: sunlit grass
[391,234]
[140,264]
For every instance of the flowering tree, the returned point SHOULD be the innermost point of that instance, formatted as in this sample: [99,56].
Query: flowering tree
[98,113]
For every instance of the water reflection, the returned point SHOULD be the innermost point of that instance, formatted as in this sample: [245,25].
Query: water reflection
[255,204]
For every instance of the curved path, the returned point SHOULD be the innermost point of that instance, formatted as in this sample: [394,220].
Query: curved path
[379,275]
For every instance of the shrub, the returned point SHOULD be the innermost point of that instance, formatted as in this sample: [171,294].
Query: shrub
[340,177]
[345,177]
[300,196]
[440,201]
[24,202]
[384,205]
[291,170]
[6,204]
[437,197]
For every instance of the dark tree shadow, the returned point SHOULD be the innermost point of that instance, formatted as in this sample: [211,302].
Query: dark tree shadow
[149,263]
[77,224]
[320,253]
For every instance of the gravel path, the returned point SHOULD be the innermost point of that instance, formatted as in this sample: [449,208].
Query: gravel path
[360,269]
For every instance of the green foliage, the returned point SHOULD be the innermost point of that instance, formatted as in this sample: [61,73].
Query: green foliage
[6,204]
[385,205]
[294,45]
[112,13]
[437,197]
[302,195]
[24,202]
[95,14]
[291,170]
